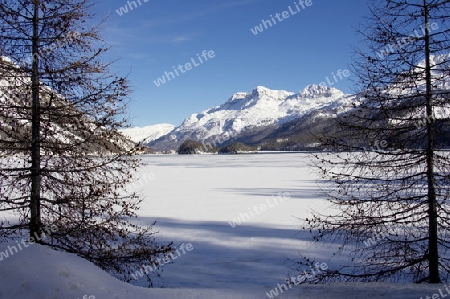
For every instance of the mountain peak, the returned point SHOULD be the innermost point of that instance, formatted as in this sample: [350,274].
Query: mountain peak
[261,90]
[258,92]
[315,90]
[238,96]
[248,113]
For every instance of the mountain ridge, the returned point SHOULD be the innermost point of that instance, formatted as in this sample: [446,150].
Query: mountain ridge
[147,134]
[246,112]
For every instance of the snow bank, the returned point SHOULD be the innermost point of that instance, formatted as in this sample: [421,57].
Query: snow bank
[40,272]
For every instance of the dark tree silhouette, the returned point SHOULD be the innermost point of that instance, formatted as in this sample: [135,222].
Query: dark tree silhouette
[63,164]
[391,178]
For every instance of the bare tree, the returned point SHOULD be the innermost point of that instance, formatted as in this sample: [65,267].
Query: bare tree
[63,165]
[390,173]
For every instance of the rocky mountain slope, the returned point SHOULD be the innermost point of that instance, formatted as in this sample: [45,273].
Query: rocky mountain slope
[250,117]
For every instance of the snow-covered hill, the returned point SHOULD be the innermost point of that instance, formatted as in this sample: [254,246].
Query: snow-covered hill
[62,121]
[148,133]
[247,111]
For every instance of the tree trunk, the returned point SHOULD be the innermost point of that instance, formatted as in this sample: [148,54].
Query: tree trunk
[35,197]
[433,255]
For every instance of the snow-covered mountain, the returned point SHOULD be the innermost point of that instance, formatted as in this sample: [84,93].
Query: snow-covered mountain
[265,116]
[245,112]
[64,126]
[148,133]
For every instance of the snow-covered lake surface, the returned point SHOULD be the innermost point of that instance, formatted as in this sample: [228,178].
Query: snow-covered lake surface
[197,200]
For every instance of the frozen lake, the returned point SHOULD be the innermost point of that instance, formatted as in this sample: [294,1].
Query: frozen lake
[198,200]
[202,199]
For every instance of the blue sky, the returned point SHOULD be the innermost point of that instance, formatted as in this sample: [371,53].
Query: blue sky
[304,48]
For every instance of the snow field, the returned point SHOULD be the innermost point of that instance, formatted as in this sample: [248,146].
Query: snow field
[193,199]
